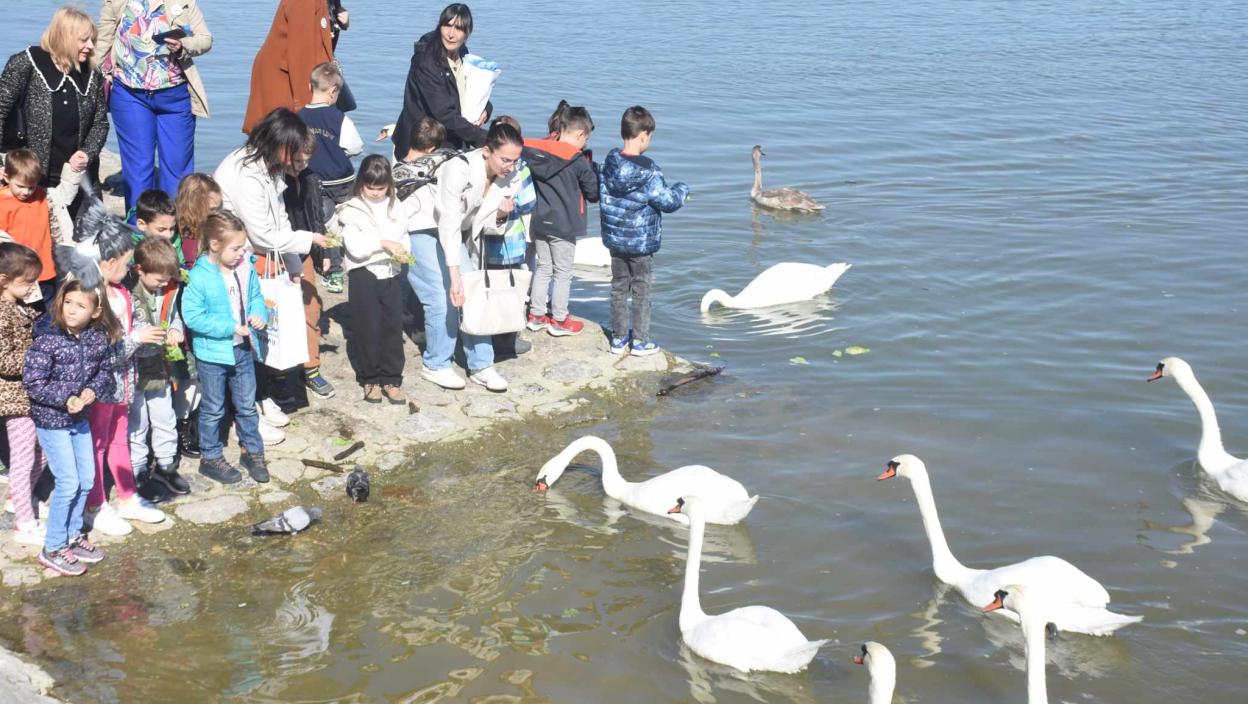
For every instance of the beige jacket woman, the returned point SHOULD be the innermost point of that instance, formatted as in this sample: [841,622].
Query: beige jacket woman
[182,12]
[465,210]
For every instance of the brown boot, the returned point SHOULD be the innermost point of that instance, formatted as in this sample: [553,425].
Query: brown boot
[372,393]
[393,394]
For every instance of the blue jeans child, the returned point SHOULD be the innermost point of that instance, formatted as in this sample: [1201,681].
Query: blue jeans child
[241,379]
[431,281]
[71,457]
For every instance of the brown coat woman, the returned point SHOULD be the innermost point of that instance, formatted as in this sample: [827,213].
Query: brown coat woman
[300,38]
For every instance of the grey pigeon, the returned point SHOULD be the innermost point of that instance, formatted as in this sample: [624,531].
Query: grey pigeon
[358,484]
[292,520]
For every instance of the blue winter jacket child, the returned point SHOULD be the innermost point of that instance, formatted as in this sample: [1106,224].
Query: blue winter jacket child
[206,310]
[634,197]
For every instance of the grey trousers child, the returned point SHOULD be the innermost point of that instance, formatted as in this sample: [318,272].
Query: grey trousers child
[631,276]
[554,256]
[154,410]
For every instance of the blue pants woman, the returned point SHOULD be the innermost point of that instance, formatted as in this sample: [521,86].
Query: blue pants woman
[151,122]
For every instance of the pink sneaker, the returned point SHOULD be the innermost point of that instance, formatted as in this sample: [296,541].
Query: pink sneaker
[566,327]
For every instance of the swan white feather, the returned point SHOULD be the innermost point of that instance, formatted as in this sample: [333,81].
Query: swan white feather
[786,282]
[725,500]
[1230,472]
[1034,607]
[883,671]
[590,251]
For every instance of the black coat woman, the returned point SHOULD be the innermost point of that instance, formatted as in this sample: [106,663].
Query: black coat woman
[435,81]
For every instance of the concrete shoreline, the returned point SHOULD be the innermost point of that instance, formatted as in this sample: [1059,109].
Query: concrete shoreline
[559,379]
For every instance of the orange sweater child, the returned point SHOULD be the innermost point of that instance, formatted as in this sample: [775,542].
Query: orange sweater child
[33,216]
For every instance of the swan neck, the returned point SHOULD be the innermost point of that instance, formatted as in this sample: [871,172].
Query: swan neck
[880,691]
[714,296]
[1211,454]
[612,483]
[1033,636]
[690,605]
[946,566]
[758,177]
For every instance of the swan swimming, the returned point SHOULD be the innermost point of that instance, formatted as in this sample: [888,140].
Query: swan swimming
[1034,617]
[883,671]
[724,500]
[789,199]
[786,282]
[1231,473]
[1080,601]
[746,638]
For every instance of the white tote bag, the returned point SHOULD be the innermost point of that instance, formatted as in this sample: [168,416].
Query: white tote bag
[479,78]
[285,338]
[494,300]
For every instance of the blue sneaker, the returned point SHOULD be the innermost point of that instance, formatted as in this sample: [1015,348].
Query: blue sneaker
[645,348]
[619,345]
[318,384]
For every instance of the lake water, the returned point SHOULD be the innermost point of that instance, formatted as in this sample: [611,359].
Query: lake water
[1039,199]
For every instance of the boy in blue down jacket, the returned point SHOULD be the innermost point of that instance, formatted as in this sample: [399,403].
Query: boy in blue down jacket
[634,197]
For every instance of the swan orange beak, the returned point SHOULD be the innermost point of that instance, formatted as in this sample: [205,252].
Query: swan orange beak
[540,486]
[676,508]
[997,603]
[857,659]
[1155,375]
[890,471]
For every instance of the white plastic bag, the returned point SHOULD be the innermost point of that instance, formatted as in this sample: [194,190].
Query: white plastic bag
[479,77]
[285,337]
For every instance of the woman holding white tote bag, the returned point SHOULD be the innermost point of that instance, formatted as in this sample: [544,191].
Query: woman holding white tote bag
[474,197]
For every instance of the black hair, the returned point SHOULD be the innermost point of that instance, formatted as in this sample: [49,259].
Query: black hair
[375,171]
[278,137]
[635,121]
[566,118]
[456,14]
[502,133]
[152,204]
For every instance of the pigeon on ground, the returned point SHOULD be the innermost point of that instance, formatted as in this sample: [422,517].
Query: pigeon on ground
[292,520]
[358,484]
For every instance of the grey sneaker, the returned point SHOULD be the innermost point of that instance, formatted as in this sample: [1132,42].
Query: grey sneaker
[85,551]
[255,466]
[219,470]
[62,562]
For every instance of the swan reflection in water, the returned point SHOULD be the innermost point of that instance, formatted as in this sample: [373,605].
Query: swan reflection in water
[706,677]
[802,319]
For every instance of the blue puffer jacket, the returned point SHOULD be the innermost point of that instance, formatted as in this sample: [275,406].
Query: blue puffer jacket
[59,365]
[634,197]
[207,310]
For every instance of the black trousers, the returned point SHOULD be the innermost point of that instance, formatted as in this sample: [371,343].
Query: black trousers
[375,342]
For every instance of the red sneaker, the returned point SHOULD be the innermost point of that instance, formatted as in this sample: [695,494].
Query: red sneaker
[538,322]
[566,327]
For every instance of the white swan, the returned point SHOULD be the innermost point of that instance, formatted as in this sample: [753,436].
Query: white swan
[789,199]
[883,670]
[1231,473]
[748,638]
[1034,610]
[724,499]
[590,251]
[1082,599]
[786,282]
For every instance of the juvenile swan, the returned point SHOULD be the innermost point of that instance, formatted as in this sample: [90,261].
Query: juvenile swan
[1032,609]
[1079,600]
[786,282]
[1231,473]
[725,501]
[747,638]
[789,199]
[883,670]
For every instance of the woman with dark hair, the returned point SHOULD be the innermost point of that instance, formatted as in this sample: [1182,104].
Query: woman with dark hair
[300,39]
[474,196]
[252,180]
[52,96]
[435,81]
[156,92]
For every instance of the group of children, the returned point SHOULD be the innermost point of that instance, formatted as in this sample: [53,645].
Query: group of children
[120,347]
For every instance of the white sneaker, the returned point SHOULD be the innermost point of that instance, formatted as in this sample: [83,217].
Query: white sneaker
[446,378]
[30,533]
[106,520]
[490,379]
[137,508]
[270,435]
[8,506]
[271,413]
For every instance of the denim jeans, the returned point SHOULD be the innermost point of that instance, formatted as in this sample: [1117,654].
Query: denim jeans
[631,276]
[71,457]
[431,281]
[241,379]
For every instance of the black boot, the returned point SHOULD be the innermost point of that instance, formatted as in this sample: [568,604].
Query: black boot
[152,489]
[171,479]
[188,436]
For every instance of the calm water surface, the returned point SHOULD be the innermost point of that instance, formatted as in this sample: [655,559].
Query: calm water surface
[1039,199]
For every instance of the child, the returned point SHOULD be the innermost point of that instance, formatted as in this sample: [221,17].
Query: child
[35,217]
[155,216]
[67,369]
[198,195]
[110,427]
[634,198]
[374,227]
[337,141]
[155,296]
[19,274]
[219,304]
[564,181]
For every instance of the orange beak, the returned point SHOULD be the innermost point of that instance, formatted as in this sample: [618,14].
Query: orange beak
[540,486]
[674,509]
[997,603]
[888,473]
[1155,375]
[857,659]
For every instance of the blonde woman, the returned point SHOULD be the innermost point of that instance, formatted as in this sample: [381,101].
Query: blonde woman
[52,95]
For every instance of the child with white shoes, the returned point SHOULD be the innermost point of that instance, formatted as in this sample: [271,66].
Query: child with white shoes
[19,273]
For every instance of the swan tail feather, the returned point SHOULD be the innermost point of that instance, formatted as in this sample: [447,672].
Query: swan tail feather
[1097,622]
[798,658]
[836,271]
[735,513]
